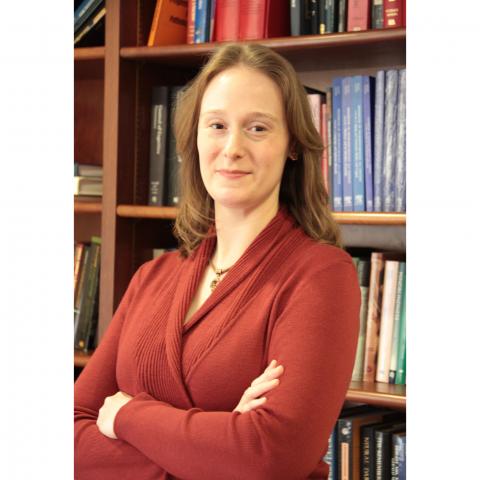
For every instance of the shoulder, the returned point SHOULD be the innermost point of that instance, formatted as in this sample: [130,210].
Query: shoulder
[162,266]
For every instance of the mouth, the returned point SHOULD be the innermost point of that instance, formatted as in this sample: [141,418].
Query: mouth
[232,173]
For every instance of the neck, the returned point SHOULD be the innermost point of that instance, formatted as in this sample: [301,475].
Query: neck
[236,229]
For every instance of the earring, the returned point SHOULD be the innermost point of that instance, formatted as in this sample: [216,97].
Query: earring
[293,156]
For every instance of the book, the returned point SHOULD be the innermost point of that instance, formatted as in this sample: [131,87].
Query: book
[337,191]
[92,23]
[191,22]
[330,457]
[264,19]
[158,145]
[401,284]
[87,186]
[79,259]
[357,140]
[86,170]
[212,16]
[330,148]
[227,16]
[342,16]
[322,16]
[324,136]
[401,161]
[377,14]
[347,144]
[358,16]
[399,456]
[400,375]
[383,450]
[314,15]
[387,319]
[378,140]
[85,11]
[331,16]
[368,109]
[295,17]
[392,14]
[169,24]
[390,140]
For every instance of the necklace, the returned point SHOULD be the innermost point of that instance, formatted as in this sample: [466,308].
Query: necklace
[218,272]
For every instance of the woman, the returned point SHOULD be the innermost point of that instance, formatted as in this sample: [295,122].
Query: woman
[259,277]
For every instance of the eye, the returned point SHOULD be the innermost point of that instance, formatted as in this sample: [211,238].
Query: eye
[258,128]
[216,126]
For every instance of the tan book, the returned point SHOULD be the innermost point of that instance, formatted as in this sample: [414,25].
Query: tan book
[387,320]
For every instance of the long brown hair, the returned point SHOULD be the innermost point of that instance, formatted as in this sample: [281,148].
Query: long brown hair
[302,188]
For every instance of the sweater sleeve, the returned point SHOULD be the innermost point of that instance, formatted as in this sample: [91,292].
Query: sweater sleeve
[96,454]
[314,337]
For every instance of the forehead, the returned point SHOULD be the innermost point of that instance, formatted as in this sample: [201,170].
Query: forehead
[243,88]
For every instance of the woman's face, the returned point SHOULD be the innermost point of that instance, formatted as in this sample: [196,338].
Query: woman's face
[242,139]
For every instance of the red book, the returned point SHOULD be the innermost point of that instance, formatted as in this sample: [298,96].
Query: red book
[227,20]
[404,13]
[358,15]
[264,19]
[392,13]
[191,21]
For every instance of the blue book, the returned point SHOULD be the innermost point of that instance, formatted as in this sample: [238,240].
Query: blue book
[83,12]
[400,171]
[347,144]
[399,456]
[337,145]
[390,140]
[378,140]
[357,144]
[368,109]
[331,455]
[202,21]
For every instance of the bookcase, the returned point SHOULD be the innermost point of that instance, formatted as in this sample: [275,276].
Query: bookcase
[112,116]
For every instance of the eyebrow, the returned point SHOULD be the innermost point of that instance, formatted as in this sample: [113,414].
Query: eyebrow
[250,114]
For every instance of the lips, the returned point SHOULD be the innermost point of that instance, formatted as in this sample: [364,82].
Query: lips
[232,173]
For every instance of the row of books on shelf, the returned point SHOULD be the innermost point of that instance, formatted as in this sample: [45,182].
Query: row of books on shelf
[88,180]
[381,348]
[199,21]
[86,293]
[89,20]
[368,443]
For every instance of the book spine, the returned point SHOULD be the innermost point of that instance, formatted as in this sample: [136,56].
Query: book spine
[173,159]
[84,12]
[201,21]
[378,140]
[358,15]
[377,14]
[212,16]
[386,322]
[337,145]
[322,17]
[314,6]
[330,456]
[324,135]
[400,376]
[342,16]
[295,17]
[81,288]
[392,13]
[345,450]
[357,374]
[228,12]
[331,16]
[400,173]
[366,453]
[373,317]
[402,457]
[397,322]
[390,138]
[357,144]
[347,143]
[329,147]
[396,446]
[191,22]
[379,455]
[252,19]
[368,106]
[158,143]
[79,248]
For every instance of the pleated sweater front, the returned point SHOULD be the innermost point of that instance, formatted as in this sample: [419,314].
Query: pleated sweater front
[287,298]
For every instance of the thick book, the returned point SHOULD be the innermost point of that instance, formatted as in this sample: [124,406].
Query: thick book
[295,17]
[392,14]
[342,16]
[331,16]
[347,144]
[383,450]
[337,145]
[401,162]
[169,24]
[358,17]
[377,14]
[173,159]
[378,140]
[227,16]
[399,456]
[264,19]
[357,139]
[363,272]
[84,12]
[400,375]
[158,145]
[387,319]
[401,285]
[191,22]
[390,140]
[368,109]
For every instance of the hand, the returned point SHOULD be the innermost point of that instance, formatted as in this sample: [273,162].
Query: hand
[267,381]
[108,412]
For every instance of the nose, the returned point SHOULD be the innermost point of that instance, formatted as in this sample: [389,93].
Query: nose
[234,148]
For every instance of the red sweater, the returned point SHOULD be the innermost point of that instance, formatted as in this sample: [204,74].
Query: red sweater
[287,298]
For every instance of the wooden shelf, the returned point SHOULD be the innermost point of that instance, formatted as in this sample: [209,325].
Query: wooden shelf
[83,206]
[385,43]
[89,53]
[358,218]
[379,394]
[81,358]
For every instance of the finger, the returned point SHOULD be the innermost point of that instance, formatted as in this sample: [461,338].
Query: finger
[252,404]
[257,390]
[267,376]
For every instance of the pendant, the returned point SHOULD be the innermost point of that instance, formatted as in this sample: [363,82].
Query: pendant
[213,284]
